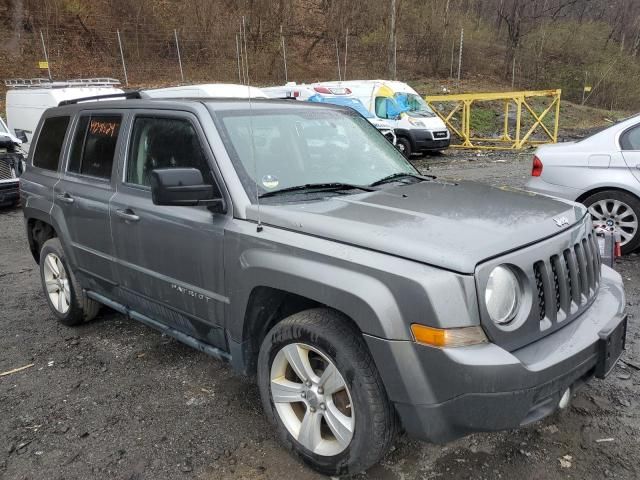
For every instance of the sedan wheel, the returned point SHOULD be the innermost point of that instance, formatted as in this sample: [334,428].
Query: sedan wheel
[312,399]
[615,216]
[56,281]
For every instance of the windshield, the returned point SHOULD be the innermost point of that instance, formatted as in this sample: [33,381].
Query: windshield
[3,127]
[413,104]
[306,146]
[350,102]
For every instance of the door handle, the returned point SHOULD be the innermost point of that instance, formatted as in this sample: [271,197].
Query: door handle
[65,198]
[127,215]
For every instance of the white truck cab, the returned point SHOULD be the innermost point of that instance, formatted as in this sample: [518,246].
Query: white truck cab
[27,99]
[417,128]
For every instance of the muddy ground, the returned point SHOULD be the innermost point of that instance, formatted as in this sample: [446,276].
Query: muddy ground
[115,399]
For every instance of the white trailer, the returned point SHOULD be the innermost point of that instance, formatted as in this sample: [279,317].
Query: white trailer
[27,99]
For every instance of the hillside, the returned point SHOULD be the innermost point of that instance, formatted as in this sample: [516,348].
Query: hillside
[534,45]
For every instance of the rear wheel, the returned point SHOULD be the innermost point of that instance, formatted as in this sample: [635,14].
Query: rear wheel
[68,303]
[404,146]
[321,389]
[617,212]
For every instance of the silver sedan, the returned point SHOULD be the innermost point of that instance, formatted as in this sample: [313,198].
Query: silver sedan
[601,171]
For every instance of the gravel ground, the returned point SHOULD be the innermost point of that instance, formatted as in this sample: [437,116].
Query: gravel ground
[115,399]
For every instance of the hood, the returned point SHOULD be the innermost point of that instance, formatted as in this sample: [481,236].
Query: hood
[449,225]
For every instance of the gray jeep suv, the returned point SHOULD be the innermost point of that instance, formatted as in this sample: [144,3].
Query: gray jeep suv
[295,242]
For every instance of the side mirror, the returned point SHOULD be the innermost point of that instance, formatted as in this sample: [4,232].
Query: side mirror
[182,187]
[21,135]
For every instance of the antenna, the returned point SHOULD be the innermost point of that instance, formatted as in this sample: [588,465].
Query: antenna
[253,144]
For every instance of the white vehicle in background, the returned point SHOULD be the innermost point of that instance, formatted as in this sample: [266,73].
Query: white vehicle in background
[418,129]
[209,90]
[27,99]
[334,95]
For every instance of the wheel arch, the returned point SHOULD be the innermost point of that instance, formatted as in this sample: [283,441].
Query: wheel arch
[39,230]
[593,191]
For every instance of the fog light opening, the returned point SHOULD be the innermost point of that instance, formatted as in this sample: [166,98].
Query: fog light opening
[565,399]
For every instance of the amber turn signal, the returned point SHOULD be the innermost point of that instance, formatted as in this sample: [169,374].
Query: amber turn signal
[448,337]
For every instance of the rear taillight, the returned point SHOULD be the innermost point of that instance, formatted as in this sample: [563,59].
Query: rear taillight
[536,170]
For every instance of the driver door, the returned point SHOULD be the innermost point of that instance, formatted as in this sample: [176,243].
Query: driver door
[170,258]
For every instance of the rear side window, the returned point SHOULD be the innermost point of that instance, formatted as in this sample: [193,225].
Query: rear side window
[47,153]
[630,140]
[94,145]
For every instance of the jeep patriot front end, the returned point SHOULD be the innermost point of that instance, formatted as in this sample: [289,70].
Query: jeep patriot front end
[296,243]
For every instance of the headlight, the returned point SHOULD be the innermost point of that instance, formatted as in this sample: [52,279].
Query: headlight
[502,295]
[416,123]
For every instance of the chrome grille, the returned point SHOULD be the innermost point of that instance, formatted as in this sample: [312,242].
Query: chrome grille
[6,171]
[564,283]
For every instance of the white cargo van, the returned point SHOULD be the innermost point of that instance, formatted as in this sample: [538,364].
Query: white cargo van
[334,95]
[28,99]
[213,90]
[417,128]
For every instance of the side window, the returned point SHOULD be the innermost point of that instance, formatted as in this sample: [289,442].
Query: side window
[630,140]
[94,145]
[164,143]
[381,107]
[47,153]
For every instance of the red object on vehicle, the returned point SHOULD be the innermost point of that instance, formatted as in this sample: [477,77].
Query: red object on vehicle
[536,171]
[617,247]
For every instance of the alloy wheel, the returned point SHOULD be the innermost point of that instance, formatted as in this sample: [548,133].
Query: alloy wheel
[615,216]
[56,283]
[312,399]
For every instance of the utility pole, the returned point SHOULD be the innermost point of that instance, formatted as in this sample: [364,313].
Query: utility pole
[338,60]
[460,54]
[175,33]
[391,46]
[346,49]
[284,56]
[46,57]
[124,66]
[238,58]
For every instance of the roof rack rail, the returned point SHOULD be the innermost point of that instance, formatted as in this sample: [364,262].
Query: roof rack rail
[133,94]
[46,83]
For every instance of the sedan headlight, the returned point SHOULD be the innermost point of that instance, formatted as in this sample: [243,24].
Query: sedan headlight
[502,295]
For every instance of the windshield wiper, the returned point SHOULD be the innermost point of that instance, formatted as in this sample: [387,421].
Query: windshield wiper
[398,175]
[318,187]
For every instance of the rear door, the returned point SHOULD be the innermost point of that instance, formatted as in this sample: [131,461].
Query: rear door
[83,195]
[630,146]
[170,258]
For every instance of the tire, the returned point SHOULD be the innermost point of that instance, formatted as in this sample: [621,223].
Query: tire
[362,404]
[404,146]
[71,306]
[619,212]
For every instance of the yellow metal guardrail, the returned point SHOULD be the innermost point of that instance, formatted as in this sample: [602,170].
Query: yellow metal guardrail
[456,111]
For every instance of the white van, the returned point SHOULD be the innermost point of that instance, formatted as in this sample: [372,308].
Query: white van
[417,127]
[213,90]
[336,96]
[28,99]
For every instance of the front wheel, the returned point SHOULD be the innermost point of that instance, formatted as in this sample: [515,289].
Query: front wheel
[321,389]
[617,212]
[404,146]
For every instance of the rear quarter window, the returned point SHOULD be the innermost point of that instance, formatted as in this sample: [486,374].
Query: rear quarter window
[50,140]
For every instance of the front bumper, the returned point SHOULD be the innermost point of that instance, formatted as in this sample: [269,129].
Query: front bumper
[444,394]
[426,140]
